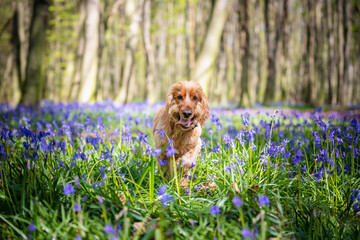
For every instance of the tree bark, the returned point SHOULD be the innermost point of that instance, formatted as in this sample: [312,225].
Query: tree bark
[151,73]
[209,51]
[309,56]
[133,13]
[32,89]
[190,30]
[331,54]
[272,48]
[90,58]
[76,78]
[341,47]
[243,15]
[347,44]
[16,62]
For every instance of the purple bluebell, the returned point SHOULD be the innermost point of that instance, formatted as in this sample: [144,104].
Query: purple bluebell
[170,151]
[161,132]
[246,233]
[108,229]
[31,227]
[102,172]
[156,152]
[162,190]
[165,199]
[215,211]
[264,200]
[78,237]
[163,162]
[76,181]
[77,207]
[69,189]
[237,201]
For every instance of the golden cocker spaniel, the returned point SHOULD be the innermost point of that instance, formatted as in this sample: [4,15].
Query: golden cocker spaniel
[180,122]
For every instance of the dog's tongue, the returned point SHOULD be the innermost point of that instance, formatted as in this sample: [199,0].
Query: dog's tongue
[184,122]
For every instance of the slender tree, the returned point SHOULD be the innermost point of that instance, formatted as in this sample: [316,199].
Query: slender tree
[209,51]
[32,89]
[90,57]
[151,71]
[133,14]
[272,41]
[243,15]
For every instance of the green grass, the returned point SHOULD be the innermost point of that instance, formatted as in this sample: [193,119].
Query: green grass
[301,206]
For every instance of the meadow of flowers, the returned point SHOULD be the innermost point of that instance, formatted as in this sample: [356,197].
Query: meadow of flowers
[81,171]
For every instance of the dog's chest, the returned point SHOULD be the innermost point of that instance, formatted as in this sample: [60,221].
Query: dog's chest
[185,142]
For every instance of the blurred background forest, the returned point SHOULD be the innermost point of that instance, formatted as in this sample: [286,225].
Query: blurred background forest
[242,51]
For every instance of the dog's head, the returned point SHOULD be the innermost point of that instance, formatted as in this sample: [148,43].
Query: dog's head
[187,104]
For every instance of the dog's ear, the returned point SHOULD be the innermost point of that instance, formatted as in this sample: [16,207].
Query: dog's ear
[169,99]
[205,107]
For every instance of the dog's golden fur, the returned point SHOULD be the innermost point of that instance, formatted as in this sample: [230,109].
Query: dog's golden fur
[182,119]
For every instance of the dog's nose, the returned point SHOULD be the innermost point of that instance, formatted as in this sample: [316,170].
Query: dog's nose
[187,113]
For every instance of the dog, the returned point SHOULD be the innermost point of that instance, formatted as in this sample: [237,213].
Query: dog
[180,122]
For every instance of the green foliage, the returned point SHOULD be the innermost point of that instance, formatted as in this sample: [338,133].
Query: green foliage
[117,182]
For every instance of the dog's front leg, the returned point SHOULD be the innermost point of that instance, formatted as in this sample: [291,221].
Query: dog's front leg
[188,160]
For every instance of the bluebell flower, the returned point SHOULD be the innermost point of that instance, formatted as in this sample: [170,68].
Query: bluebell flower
[165,199]
[31,227]
[246,233]
[69,189]
[228,168]
[355,195]
[122,157]
[245,119]
[264,200]
[161,132]
[142,137]
[162,190]
[163,162]
[237,201]
[76,181]
[215,149]
[78,237]
[215,210]
[170,151]
[356,207]
[109,229]
[100,199]
[214,119]
[156,152]
[102,172]
[100,124]
[77,207]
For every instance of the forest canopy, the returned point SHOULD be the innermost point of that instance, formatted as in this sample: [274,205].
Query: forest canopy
[241,51]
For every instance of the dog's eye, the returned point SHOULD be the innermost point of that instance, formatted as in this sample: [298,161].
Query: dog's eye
[179,97]
[195,98]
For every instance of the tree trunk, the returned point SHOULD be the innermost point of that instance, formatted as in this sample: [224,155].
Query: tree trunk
[151,73]
[19,40]
[309,59]
[209,51]
[190,30]
[341,47]
[32,89]
[272,48]
[346,49]
[133,13]
[15,66]
[331,54]
[245,98]
[76,78]
[90,58]
[285,61]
